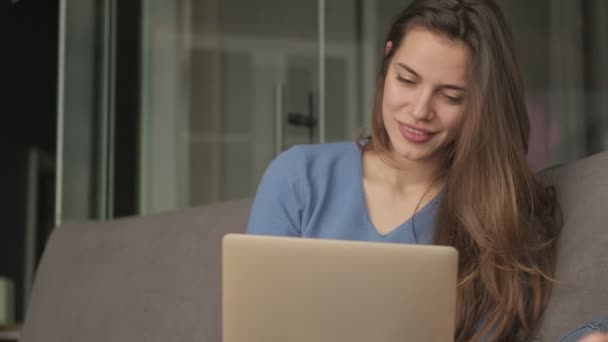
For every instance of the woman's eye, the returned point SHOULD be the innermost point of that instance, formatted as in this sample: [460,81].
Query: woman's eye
[405,80]
[453,99]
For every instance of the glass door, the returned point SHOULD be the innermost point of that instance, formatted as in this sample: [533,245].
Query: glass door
[226,85]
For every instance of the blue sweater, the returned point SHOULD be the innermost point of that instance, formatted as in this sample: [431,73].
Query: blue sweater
[316,191]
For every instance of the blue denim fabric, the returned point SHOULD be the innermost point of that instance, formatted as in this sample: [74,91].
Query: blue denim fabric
[593,326]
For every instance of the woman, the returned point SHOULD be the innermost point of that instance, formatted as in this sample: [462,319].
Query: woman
[445,164]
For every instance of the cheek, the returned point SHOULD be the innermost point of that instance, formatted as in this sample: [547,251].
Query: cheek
[395,96]
[451,118]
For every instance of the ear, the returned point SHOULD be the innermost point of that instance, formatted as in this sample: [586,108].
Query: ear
[388,47]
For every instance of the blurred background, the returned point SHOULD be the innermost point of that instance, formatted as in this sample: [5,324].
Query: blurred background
[117,108]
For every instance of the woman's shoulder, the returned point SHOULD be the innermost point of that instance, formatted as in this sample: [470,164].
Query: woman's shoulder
[316,154]
[315,160]
[324,149]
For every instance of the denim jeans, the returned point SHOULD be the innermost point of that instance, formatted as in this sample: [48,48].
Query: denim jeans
[593,326]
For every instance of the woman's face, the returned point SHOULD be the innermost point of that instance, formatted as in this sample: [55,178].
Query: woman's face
[424,94]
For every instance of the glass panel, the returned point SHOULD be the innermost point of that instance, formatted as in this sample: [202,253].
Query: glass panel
[212,74]
[560,48]
[82,112]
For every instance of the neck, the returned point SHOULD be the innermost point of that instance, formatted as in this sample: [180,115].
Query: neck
[401,173]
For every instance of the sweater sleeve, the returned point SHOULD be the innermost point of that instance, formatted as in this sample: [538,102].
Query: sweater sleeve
[280,200]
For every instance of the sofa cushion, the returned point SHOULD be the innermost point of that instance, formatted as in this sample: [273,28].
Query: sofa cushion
[153,278]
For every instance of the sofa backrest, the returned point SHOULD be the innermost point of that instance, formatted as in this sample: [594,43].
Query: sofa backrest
[582,268]
[151,279]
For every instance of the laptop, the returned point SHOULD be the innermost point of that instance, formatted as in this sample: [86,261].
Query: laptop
[278,289]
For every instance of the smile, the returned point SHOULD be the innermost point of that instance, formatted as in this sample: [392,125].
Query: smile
[415,131]
[415,135]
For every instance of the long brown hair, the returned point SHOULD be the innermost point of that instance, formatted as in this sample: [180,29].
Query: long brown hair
[498,215]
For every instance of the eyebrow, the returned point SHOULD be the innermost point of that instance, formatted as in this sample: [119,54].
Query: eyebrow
[446,86]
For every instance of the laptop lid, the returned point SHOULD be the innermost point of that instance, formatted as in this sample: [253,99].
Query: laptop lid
[296,289]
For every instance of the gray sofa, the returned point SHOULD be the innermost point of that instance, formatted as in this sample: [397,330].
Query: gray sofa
[157,278]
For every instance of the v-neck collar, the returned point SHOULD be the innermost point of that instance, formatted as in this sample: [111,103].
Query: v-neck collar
[363,199]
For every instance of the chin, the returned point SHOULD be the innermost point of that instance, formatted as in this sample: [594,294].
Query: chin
[403,149]
[407,151]
[412,154]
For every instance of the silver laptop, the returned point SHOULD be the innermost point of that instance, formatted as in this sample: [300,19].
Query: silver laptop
[304,290]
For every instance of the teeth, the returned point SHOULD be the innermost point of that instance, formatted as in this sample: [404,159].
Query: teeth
[414,131]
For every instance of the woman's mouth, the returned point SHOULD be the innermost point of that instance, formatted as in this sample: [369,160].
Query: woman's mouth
[414,134]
